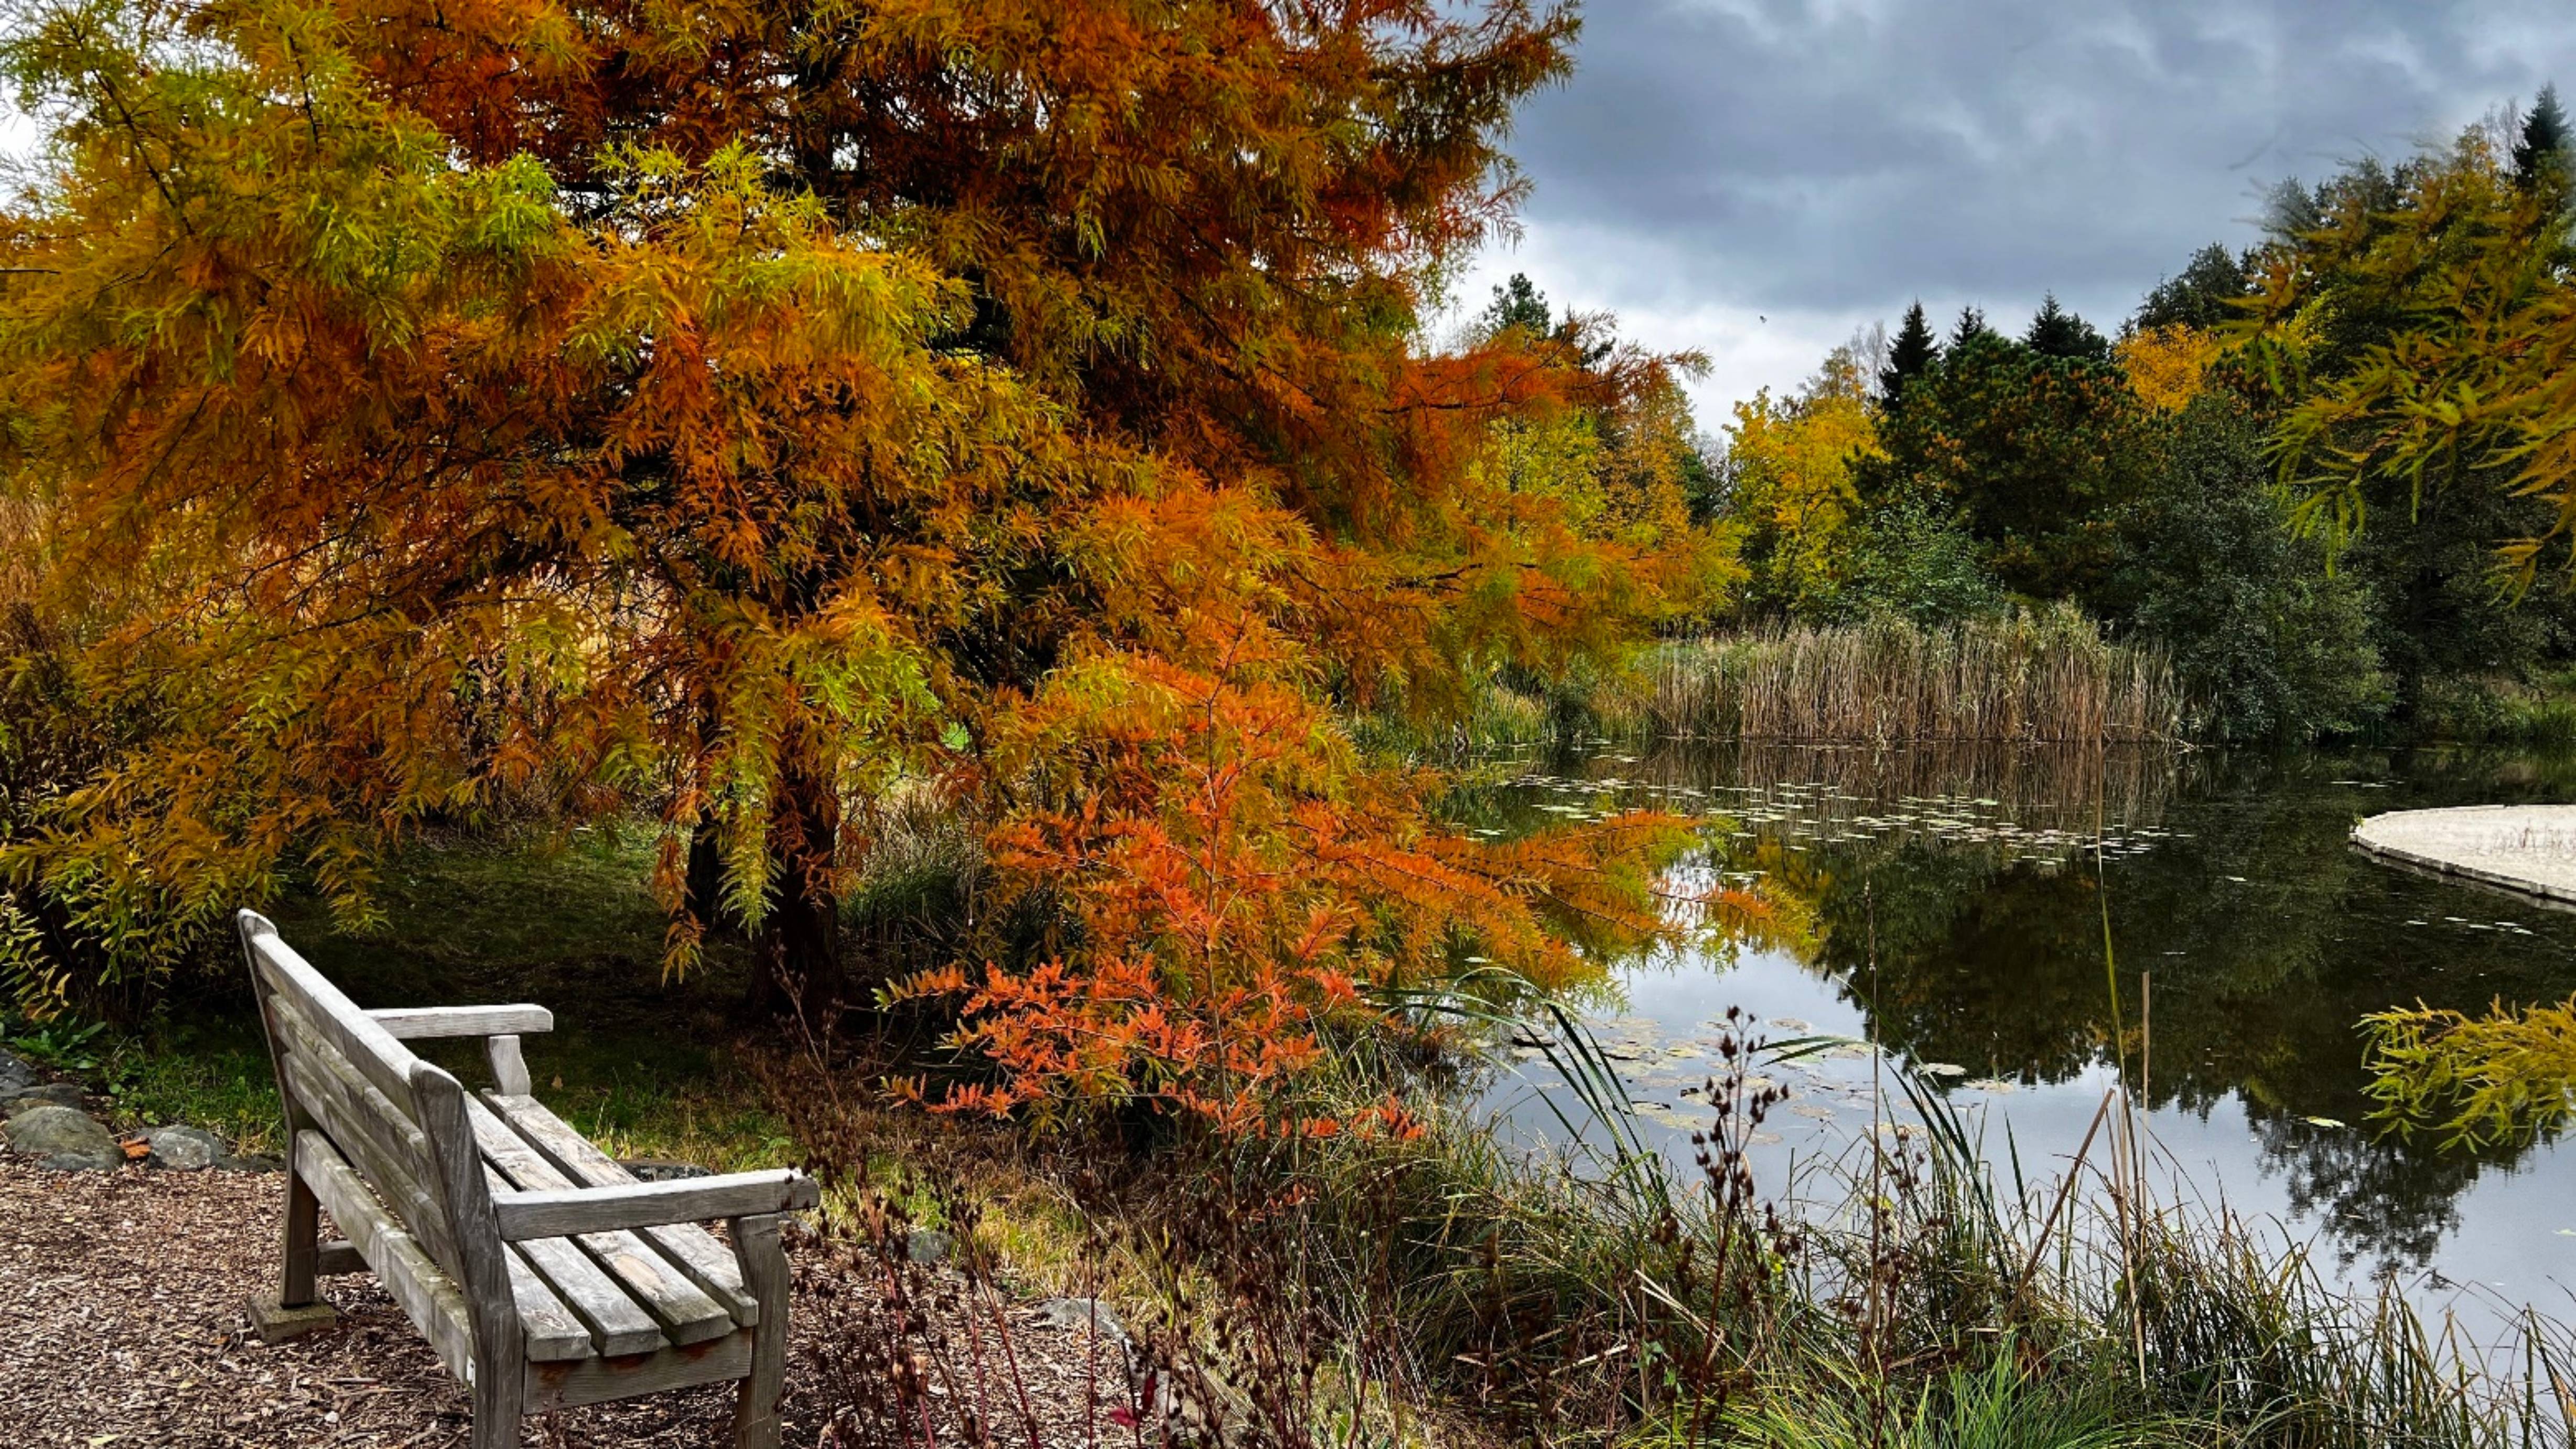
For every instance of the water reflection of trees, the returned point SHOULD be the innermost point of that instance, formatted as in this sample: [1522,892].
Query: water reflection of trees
[2034,783]
[2267,937]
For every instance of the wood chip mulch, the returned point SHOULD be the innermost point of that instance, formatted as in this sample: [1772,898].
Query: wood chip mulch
[121,1323]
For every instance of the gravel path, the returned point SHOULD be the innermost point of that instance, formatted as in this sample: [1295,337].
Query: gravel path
[121,1324]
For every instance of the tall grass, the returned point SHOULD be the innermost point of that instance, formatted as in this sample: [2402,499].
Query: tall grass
[2046,676]
[1908,1296]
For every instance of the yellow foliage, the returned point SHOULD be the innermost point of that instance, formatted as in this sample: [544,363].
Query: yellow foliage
[2167,366]
[1793,464]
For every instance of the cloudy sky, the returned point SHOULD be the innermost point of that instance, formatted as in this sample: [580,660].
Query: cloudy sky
[1820,163]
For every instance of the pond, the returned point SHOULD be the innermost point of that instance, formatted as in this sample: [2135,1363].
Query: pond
[1948,906]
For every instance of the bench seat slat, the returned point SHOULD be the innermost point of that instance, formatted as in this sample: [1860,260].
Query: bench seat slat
[708,1263]
[684,1310]
[605,1318]
[621,1325]
[555,1332]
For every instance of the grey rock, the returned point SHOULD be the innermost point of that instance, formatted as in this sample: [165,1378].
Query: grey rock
[927,1246]
[64,1138]
[184,1149]
[662,1169]
[250,1162]
[1079,1313]
[59,1094]
[15,1074]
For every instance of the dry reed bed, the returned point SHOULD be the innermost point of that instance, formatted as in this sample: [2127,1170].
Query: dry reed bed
[2024,678]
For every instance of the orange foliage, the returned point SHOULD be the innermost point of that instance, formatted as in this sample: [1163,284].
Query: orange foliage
[735,412]
[1231,892]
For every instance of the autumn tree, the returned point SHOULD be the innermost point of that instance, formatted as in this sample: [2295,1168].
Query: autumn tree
[2413,325]
[732,415]
[1790,466]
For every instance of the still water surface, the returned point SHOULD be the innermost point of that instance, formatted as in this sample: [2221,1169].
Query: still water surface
[1946,905]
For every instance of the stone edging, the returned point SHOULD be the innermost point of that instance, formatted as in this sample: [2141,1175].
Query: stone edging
[2370,836]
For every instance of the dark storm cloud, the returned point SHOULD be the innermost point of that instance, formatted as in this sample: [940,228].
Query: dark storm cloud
[1824,159]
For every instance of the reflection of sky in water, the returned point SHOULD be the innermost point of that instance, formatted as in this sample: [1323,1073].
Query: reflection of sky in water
[2231,882]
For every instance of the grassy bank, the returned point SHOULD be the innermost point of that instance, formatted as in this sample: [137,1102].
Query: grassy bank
[1432,1287]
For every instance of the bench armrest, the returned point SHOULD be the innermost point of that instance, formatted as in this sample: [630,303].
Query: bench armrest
[414,1023]
[568,1211]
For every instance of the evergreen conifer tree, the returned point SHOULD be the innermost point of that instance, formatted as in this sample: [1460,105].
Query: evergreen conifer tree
[1517,303]
[2541,154]
[1912,355]
[2056,332]
[1970,326]
[2203,294]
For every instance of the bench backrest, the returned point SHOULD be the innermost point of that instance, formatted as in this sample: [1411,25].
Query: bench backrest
[386,1110]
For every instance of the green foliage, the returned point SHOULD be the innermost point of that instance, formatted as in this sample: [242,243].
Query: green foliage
[2414,319]
[2209,292]
[2537,710]
[2265,642]
[62,1045]
[2056,332]
[2032,454]
[1519,304]
[2540,151]
[2007,1404]
[1914,564]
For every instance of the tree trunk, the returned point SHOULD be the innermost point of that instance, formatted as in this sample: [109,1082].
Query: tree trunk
[706,879]
[801,949]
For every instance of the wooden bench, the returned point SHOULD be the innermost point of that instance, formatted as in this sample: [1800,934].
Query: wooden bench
[542,1273]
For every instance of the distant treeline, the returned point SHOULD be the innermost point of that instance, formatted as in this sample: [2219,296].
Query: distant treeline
[2180,482]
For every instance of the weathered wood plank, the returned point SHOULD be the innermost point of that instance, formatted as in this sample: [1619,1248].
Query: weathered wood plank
[382,1060]
[687,1312]
[615,1322]
[654,1204]
[390,1119]
[592,1381]
[500,1336]
[300,1263]
[692,1248]
[595,1294]
[409,1198]
[764,1269]
[552,1330]
[428,1296]
[509,1069]
[413,1023]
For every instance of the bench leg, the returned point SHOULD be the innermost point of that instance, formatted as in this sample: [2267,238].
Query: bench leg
[297,1309]
[500,1394]
[764,1272]
[303,1241]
